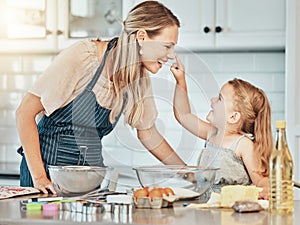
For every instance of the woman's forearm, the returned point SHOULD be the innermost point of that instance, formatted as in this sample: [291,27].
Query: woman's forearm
[30,143]
[159,147]
[28,133]
[166,154]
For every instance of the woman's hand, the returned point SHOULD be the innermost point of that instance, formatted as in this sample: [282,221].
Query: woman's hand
[158,146]
[44,185]
[178,69]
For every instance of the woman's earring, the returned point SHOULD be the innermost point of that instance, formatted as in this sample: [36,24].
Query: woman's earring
[141,50]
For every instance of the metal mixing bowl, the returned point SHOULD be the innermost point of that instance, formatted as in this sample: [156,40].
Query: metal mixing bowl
[189,177]
[78,180]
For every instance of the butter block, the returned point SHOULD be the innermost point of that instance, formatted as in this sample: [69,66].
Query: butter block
[232,193]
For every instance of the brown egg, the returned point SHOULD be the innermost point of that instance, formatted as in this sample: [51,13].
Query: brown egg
[164,192]
[142,192]
[155,193]
[147,189]
[169,191]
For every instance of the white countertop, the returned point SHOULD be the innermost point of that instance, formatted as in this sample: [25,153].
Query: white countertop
[12,214]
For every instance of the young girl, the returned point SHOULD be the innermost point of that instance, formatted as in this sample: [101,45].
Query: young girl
[238,132]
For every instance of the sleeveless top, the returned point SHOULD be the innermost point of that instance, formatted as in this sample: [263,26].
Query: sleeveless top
[72,134]
[231,168]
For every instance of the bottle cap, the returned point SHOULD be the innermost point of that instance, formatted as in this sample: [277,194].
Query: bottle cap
[280,124]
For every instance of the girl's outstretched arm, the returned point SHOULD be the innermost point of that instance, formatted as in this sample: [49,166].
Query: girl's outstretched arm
[181,105]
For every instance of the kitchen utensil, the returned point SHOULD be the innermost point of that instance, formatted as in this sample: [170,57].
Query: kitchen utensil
[174,176]
[79,180]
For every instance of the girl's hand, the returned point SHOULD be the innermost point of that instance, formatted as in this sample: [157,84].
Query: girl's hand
[263,183]
[264,194]
[178,69]
[44,185]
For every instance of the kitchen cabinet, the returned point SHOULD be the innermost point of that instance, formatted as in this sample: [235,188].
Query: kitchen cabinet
[79,19]
[4,181]
[230,24]
[27,25]
[250,24]
[51,25]
[9,174]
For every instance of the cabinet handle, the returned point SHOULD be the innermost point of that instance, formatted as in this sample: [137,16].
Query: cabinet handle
[48,32]
[59,32]
[206,29]
[218,29]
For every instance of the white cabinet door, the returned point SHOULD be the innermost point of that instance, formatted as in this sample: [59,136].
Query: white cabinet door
[195,16]
[197,22]
[230,24]
[63,22]
[27,26]
[244,24]
[250,24]
[80,19]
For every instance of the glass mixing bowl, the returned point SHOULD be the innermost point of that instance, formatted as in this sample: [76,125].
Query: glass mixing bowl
[189,177]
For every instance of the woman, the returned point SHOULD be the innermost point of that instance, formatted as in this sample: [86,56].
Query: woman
[86,88]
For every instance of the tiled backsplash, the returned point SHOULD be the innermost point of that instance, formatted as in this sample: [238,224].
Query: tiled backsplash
[205,72]
[17,73]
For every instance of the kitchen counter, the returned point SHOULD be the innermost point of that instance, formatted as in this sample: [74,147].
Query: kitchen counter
[11,213]
[10,168]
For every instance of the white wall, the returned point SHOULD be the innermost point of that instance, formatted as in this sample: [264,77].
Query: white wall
[292,84]
[266,70]
[17,74]
[205,72]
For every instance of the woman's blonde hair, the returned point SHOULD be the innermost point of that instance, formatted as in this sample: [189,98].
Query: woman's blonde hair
[255,111]
[129,77]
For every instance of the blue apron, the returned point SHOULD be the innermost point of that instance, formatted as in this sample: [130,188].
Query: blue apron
[72,134]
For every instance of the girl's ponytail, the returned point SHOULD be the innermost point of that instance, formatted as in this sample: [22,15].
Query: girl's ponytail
[263,143]
[255,111]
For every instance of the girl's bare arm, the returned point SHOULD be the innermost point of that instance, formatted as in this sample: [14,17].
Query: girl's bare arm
[246,150]
[181,105]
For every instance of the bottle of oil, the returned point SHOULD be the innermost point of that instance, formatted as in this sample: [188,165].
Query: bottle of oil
[281,198]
